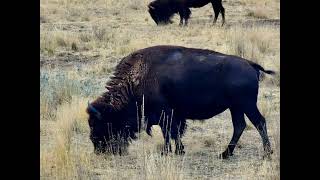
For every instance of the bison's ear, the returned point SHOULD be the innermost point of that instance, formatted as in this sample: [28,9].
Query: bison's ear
[93,111]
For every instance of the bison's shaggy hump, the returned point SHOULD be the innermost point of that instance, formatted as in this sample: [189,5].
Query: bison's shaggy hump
[127,75]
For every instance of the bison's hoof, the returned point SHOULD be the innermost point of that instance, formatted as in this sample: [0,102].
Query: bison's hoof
[164,153]
[225,155]
[180,152]
[267,155]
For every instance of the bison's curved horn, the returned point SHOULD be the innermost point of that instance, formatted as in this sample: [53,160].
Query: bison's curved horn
[109,87]
[151,7]
[93,109]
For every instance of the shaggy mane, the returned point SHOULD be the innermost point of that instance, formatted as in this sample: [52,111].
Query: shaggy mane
[128,74]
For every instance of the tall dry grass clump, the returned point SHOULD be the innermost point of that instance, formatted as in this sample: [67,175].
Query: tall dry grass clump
[62,160]
[55,41]
[258,12]
[250,43]
[158,167]
[261,9]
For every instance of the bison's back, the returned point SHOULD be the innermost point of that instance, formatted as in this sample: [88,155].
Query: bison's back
[197,3]
[199,83]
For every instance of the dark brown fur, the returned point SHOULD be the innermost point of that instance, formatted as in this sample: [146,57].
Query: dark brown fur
[177,83]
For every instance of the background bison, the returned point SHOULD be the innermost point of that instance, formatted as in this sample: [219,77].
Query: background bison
[177,83]
[162,10]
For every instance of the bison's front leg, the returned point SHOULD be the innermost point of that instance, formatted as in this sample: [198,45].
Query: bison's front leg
[172,132]
[179,147]
[173,127]
[165,124]
[184,15]
[181,18]
[177,130]
[167,145]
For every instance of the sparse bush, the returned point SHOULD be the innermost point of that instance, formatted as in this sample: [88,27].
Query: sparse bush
[85,37]
[73,14]
[57,88]
[47,44]
[85,16]
[99,32]
[261,39]
[74,46]
[60,41]
[135,4]
[209,143]
[258,13]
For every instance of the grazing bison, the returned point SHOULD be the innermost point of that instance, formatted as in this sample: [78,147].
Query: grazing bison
[176,83]
[161,11]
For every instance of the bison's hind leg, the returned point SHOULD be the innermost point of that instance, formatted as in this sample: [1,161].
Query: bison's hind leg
[217,8]
[239,125]
[259,122]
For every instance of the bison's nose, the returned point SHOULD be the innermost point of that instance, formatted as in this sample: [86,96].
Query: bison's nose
[99,151]
[99,148]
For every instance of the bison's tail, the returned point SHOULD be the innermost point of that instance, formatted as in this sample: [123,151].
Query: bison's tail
[259,68]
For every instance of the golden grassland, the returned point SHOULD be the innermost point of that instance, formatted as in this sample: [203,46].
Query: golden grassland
[81,41]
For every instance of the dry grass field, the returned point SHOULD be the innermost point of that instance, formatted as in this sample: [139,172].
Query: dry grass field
[81,41]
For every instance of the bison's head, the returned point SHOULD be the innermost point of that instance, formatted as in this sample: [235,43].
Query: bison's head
[160,13]
[110,131]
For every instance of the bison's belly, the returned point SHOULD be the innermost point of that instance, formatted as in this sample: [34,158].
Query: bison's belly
[203,113]
[198,4]
[199,107]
